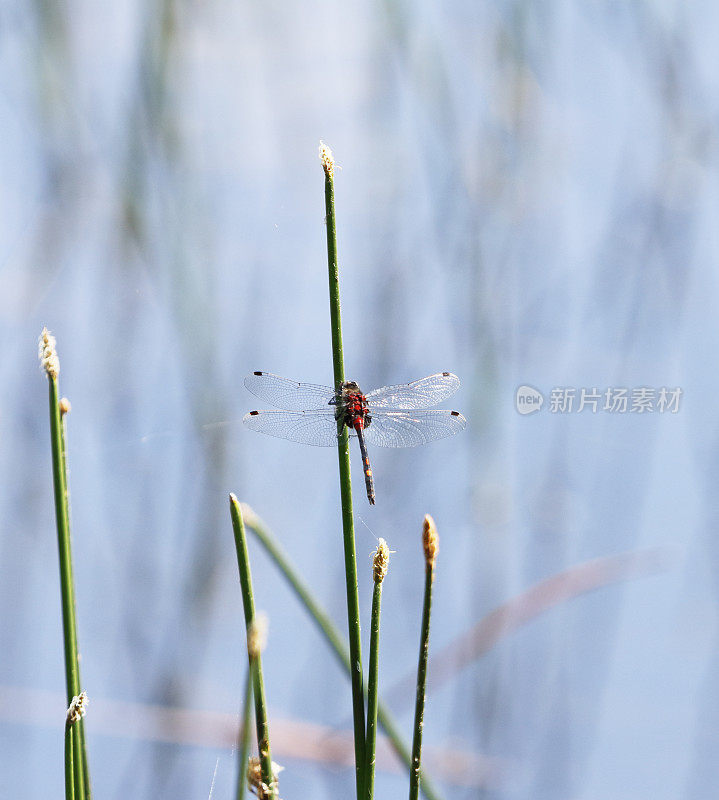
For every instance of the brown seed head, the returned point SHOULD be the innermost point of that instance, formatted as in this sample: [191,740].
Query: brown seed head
[48,354]
[430,540]
[380,561]
[65,406]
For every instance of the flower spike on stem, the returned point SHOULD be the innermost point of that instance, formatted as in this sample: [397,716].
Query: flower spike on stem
[430,544]
[380,563]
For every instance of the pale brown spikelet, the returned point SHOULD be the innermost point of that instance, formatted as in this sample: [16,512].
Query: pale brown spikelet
[327,159]
[430,540]
[257,635]
[77,708]
[254,778]
[380,561]
[65,406]
[48,354]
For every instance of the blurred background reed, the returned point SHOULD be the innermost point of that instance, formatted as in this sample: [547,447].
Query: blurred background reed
[528,195]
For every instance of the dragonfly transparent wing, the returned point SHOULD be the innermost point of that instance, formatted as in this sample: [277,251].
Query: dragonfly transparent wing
[290,395]
[423,393]
[411,428]
[317,427]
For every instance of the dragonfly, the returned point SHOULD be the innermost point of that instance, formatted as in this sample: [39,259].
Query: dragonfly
[393,416]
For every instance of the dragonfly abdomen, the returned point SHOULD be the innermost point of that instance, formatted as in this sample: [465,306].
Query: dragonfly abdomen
[368,479]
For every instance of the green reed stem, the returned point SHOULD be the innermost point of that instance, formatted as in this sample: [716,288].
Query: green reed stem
[85,766]
[62,517]
[51,365]
[331,635]
[77,762]
[69,765]
[79,726]
[431,548]
[353,613]
[381,559]
[243,564]
[243,749]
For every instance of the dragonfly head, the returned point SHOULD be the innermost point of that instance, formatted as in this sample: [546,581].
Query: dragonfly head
[350,386]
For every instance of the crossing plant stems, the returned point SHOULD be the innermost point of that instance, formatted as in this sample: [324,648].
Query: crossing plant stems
[263,779]
[331,635]
[254,657]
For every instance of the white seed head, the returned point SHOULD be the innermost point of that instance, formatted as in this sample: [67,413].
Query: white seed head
[257,635]
[77,708]
[380,561]
[48,354]
[254,778]
[327,159]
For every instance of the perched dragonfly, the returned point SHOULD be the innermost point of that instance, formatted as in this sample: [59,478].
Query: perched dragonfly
[393,416]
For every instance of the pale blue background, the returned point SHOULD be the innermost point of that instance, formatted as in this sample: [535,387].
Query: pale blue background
[528,194]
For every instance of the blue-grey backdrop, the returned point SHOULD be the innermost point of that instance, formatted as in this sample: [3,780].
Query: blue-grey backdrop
[528,194]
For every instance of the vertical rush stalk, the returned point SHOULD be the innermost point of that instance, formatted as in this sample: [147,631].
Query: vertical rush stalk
[254,660]
[380,564]
[430,543]
[51,365]
[353,615]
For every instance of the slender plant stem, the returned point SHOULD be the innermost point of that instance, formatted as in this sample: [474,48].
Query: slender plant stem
[243,749]
[430,549]
[353,613]
[381,559]
[332,636]
[372,678]
[243,564]
[67,586]
[62,516]
[79,733]
[69,766]
[85,766]
[77,762]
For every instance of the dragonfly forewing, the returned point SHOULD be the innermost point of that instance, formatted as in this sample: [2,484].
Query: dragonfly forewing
[423,393]
[288,395]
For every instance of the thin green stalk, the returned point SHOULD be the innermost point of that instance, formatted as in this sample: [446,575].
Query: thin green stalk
[431,547]
[243,564]
[77,762]
[69,765]
[343,452]
[51,365]
[332,636]
[85,766]
[80,724]
[67,588]
[381,561]
[243,749]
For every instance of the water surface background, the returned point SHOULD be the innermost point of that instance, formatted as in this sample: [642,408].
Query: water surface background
[528,194]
